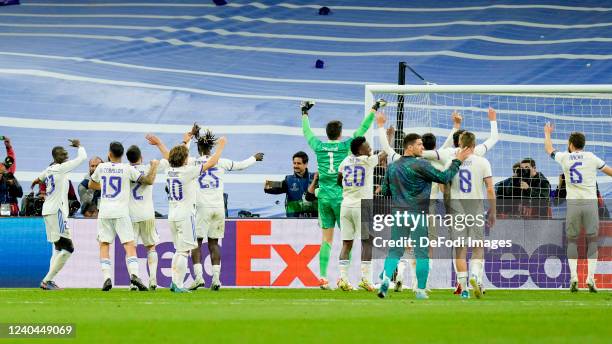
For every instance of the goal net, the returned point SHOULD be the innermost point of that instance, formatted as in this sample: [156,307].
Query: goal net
[529,185]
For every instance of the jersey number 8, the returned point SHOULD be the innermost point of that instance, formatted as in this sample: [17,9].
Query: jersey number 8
[465,181]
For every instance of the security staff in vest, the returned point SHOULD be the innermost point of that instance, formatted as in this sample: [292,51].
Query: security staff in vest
[299,202]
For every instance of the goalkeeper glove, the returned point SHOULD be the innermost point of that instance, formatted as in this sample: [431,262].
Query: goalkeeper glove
[307,105]
[380,103]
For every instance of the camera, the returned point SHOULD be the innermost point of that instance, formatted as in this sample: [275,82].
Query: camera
[524,173]
[32,205]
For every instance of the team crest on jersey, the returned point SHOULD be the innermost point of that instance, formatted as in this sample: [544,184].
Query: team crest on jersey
[294,187]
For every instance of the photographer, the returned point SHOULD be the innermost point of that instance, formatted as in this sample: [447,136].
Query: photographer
[10,191]
[535,191]
[526,193]
[299,202]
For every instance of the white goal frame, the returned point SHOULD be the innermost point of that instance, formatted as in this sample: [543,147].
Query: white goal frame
[372,89]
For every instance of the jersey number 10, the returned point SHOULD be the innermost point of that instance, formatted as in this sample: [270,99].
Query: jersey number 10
[175,189]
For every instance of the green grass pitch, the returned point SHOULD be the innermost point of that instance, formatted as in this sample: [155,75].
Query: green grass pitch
[291,315]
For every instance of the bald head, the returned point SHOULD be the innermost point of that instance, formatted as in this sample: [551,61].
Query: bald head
[93,163]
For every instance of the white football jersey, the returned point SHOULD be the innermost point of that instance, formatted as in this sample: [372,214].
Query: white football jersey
[357,178]
[141,198]
[182,189]
[55,178]
[468,183]
[114,179]
[580,170]
[210,182]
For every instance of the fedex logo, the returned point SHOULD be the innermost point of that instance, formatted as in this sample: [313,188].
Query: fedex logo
[239,253]
[295,261]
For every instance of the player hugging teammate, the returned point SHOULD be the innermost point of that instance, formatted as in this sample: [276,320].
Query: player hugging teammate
[428,182]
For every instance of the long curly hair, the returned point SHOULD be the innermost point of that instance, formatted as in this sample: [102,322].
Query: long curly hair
[206,142]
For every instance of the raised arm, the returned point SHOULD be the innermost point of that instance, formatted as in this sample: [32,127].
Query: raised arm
[367,121]
[156,141]
[457,119]
[382,137]
[74,163]
[149,178]
[548,146]
[214,159]
[484,147]
[246,163]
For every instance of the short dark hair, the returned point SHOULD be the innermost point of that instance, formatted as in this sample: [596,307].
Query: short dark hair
[333,130]
[577,139]
[529,161]
[178,155]
[456,137]
[356,144]
[302,156]
[516,166]
[133,154]
[410,139]
[429,141]
[55,151]
[116,149]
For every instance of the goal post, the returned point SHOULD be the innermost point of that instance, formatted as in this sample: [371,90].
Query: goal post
[522,111]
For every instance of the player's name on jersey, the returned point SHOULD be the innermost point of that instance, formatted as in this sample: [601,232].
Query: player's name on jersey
[406,242]
[112,170]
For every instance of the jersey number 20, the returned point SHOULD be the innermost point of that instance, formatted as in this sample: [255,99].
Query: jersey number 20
[357,174]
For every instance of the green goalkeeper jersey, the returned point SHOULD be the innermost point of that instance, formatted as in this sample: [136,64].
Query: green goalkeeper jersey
[329,156]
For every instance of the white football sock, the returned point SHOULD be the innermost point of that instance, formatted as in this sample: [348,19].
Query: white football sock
[592,266]
[181,268]
[343,265]
[198,272]
[216,274]
[401,267]
[174,269]
[152,263]
[132,265]
[476,267]
[366,271]
[53,255]
[573,266]
[58,263]
[462,279]
[105,264]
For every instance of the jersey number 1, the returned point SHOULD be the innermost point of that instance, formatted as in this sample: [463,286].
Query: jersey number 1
[331,162]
